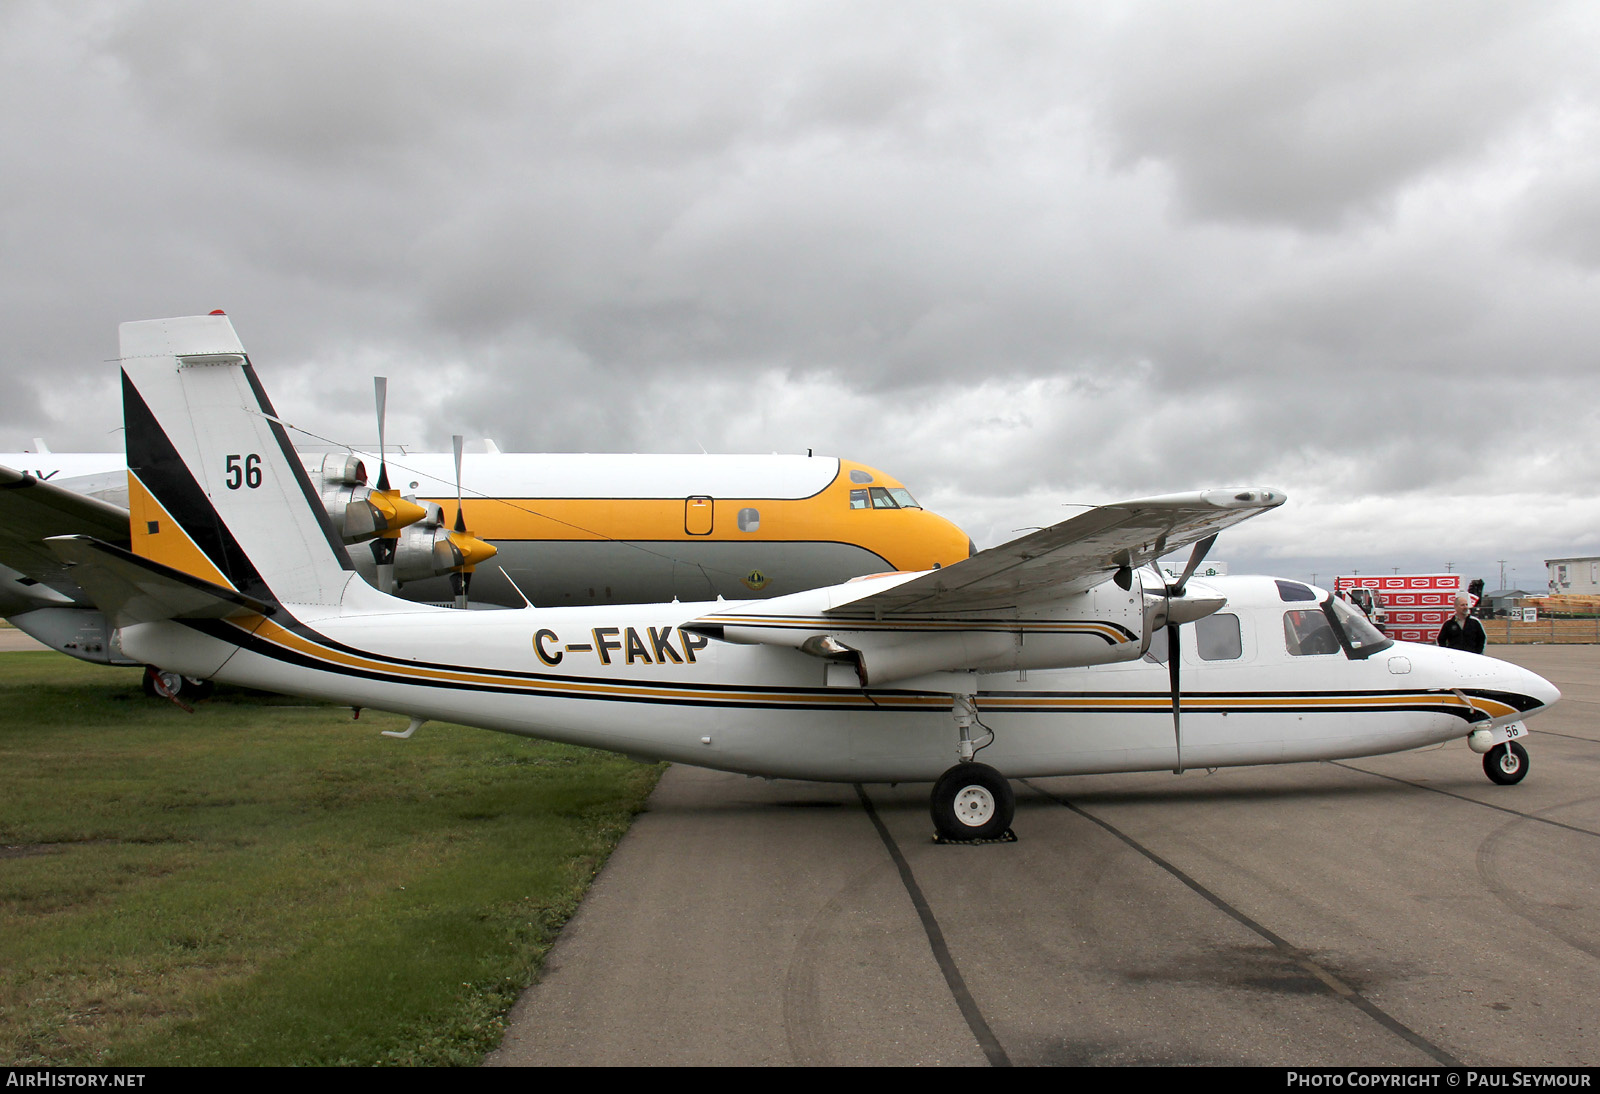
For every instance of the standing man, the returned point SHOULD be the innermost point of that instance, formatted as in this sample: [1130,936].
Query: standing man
[1461,631]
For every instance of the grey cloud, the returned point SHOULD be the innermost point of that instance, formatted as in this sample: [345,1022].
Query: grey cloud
[1306,115]
[1016,255]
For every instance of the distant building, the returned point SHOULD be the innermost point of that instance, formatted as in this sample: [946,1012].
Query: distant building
[1574,576]
[1500,601]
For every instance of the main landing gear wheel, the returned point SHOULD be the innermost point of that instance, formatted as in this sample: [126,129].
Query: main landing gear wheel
[1506,764]
[972,801]
[179,686]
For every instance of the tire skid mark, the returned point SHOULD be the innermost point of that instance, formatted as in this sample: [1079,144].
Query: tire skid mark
[1517,813]
[1489,857]
[803,1017]
[987,1041]
[1290,952]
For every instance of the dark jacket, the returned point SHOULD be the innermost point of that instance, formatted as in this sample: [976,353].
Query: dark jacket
[1470,637]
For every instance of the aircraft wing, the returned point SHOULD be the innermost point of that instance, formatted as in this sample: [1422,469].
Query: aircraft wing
[31,510]
[1067,558]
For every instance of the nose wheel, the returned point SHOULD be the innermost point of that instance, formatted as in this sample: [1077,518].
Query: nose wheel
[1506,764]
[972,801]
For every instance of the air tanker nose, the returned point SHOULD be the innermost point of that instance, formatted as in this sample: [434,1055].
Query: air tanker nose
[938,541]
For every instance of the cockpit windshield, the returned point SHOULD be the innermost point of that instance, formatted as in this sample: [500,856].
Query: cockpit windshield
[1361,637]
[1331,626]
[883,497]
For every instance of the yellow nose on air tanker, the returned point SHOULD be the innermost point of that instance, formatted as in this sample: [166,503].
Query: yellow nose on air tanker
[881,515]
[699,527]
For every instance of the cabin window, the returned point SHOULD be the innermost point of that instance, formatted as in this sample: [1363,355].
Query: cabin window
[1293,590]
[749,520]
[881,499]
[1217,638]
[860,500]
[1307,633]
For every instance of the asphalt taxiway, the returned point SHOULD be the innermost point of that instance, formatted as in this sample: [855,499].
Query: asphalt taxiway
[1396,910]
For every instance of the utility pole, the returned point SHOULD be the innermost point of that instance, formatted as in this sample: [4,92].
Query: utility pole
[1502,573]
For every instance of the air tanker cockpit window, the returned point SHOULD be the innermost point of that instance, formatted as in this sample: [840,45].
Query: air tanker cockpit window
[883,497]
[1362,638]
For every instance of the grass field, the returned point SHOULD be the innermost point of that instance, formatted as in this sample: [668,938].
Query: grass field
[267,882]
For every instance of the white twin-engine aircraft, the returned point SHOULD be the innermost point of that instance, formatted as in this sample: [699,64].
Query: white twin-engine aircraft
[1043,654]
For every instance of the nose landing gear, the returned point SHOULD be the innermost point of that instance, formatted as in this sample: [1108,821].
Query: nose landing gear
[1506,764]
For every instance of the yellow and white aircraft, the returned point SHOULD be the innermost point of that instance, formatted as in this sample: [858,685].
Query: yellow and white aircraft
[556,529]
[595,528]
[1032,653]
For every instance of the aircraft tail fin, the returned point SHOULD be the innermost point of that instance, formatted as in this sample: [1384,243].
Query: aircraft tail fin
[216,490]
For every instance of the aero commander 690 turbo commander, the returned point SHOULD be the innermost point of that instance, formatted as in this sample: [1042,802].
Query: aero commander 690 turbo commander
[1043,653]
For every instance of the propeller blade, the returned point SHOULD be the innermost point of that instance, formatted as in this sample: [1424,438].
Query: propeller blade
[461,524]
[468,549]
[1196,556]
[380,389]
[1173,662]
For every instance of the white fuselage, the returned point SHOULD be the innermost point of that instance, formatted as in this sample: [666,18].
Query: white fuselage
[628,679]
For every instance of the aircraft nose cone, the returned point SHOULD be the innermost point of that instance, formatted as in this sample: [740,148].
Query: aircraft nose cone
[1540,688]
[1521,681]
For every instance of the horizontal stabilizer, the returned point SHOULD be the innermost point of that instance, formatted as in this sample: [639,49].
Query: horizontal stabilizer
[32,510]
[130,589]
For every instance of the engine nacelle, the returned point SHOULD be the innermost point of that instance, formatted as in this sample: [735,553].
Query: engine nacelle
[358,513]
[417,552]
[340,479]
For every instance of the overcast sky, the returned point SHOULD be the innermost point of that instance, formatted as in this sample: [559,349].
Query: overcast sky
[1020,255]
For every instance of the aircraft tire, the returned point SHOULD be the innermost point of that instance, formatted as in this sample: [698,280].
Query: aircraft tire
[1506,764]
[186,688]
[972,801]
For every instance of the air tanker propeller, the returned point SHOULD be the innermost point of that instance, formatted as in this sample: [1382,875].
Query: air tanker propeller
[460,551]
[382,514]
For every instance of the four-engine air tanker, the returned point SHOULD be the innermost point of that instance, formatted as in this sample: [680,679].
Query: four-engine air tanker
[1044,655]
[549,529]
